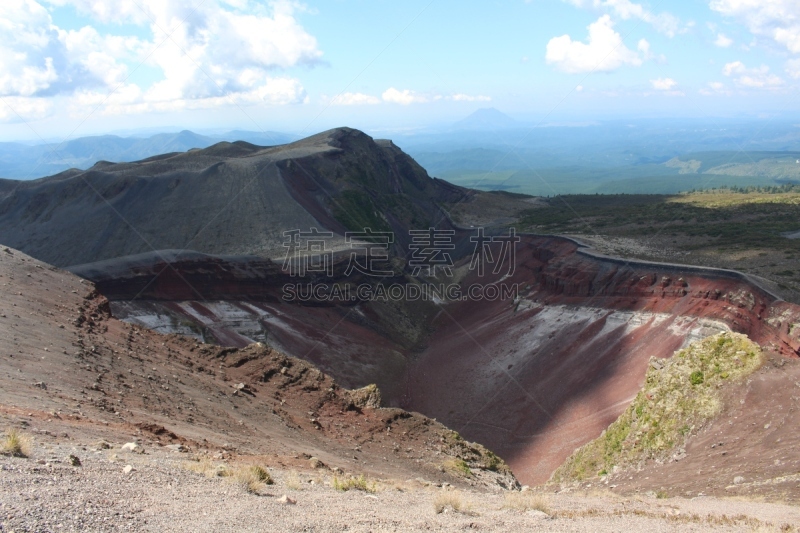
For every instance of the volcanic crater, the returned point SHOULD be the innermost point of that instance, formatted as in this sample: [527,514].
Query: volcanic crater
[531,377]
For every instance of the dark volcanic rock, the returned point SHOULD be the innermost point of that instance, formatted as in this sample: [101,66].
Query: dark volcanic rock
[228,199]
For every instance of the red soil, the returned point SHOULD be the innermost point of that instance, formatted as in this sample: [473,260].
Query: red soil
[532,380]
[68,368]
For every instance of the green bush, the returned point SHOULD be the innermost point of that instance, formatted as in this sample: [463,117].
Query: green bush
[353,483]
[669,409]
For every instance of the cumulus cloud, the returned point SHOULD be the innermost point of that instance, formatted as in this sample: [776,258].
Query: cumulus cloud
[664,22]
[793,68]
[604,50]
[666,87]
[663,84]
[19,108]
[228,52]
[404,97]
[355,99]
[714,88]
[723,41]
[778,20]
[759,77]
[130,99]
[39,59]
[206,52]
[408,97]
[468,98]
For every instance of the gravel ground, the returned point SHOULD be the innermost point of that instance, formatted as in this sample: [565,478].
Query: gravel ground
[45,493]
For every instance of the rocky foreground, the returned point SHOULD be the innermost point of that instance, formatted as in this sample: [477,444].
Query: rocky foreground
[156,488]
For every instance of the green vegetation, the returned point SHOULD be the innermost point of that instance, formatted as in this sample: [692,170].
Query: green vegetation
[492,461]
[468,455]
[650,179]
[354,483]
[458,467]
[732,218]
[253,479]
[527,501]
[765,164]
[261,474]
[16,444]
[356,211]
[680,395]
[653,174]
[449,500]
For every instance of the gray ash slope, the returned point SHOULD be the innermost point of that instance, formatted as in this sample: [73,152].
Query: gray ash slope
[231,198]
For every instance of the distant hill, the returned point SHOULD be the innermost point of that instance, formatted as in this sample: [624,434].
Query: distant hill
[779,166]
[230,198]
[20,161]
[486,119]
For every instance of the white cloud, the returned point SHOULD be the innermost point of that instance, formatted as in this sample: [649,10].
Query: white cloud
[130,99]
[664,22]
[404,97]
[218,50]
[723,41]
[793,68]
[778,20]
[603,52]
[663,84]
[39,59]
[665,87]
[228,52]
[467,98]
[408,97]
[19,108]
[217,32]
[278,91]
[715,88]
[759,77]
[644,47]
[355,99]
[736,67]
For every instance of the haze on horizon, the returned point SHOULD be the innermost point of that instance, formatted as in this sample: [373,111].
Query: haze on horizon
[72,68]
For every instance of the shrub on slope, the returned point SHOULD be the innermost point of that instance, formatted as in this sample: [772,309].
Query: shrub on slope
[679,397]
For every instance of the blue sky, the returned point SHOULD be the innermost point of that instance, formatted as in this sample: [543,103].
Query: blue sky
[78,67]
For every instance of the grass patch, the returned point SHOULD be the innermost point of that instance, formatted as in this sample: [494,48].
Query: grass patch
[293,481]
[458,467]
[449,500]
[675,402]
[356,210]
[527,501]
[253,478]
[209,468]
[354,483]
[16,444]
[752,220]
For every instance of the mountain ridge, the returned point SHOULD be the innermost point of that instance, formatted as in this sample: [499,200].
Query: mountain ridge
[22,161]
[229,198]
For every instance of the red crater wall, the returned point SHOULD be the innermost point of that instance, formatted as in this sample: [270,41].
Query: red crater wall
[532,378]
